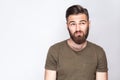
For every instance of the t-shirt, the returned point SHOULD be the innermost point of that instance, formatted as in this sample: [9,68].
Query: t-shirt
[76,65]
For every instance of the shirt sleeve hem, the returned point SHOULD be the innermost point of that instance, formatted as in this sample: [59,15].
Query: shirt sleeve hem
[50,68]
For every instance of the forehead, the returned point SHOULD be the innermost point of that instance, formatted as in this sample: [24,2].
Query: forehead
[77,17]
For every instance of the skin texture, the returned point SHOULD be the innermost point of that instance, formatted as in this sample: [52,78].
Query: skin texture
[78,27]
[50,75]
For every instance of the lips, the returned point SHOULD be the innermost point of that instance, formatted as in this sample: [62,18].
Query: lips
[78,33]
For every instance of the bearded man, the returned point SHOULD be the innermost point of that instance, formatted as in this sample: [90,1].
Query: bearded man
[76,58]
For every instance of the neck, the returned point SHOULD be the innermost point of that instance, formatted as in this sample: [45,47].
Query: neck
[76,47]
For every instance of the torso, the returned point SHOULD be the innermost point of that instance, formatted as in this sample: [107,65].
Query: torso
[76,65]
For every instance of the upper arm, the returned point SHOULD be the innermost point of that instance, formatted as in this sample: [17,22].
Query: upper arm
[50,74]
[102,68]
[51,65]
[101,76]
[102,61]
[52,59]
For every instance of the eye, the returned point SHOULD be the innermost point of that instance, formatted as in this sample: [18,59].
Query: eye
[72,24]
[82,23]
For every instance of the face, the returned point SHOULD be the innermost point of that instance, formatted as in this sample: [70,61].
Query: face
[78,27]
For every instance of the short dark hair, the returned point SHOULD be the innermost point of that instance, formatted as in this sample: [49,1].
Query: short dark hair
[76,9]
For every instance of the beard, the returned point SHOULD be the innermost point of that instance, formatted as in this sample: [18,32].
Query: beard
[79,39]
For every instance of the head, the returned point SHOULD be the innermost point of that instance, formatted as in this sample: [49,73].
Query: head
[77,19]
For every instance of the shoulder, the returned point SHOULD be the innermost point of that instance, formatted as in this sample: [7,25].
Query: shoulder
[56,48]
[97,49]
[94,45]
[58,45]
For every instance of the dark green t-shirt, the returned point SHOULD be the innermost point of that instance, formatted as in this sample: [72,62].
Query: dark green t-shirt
[76,65]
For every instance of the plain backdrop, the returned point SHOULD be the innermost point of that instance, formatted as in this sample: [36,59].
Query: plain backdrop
[29,27]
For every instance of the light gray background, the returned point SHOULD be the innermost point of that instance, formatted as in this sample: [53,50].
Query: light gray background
[29,27]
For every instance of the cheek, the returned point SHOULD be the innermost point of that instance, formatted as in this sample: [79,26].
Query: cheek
[72,29]
[84,28]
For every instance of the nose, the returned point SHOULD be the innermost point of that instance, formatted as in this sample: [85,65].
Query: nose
[78,27]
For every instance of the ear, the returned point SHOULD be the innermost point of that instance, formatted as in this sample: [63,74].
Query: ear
[67,24]
[89,23]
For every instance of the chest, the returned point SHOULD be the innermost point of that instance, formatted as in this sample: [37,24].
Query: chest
[77,64]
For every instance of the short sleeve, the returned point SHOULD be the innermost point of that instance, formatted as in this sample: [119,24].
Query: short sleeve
[51,60]
[102,61]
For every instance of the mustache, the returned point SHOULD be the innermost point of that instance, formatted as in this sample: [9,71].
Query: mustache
[79,31]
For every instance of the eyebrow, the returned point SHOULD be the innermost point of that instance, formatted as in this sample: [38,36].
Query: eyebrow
[83,21]
[79,21]
[71,22]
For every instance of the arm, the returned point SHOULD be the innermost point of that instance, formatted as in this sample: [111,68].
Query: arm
[102,68]
[101,76]
[50,75]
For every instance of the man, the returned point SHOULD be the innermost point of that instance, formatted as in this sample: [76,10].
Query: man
[76,58]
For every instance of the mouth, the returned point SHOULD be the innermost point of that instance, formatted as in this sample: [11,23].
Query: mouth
[78,33]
